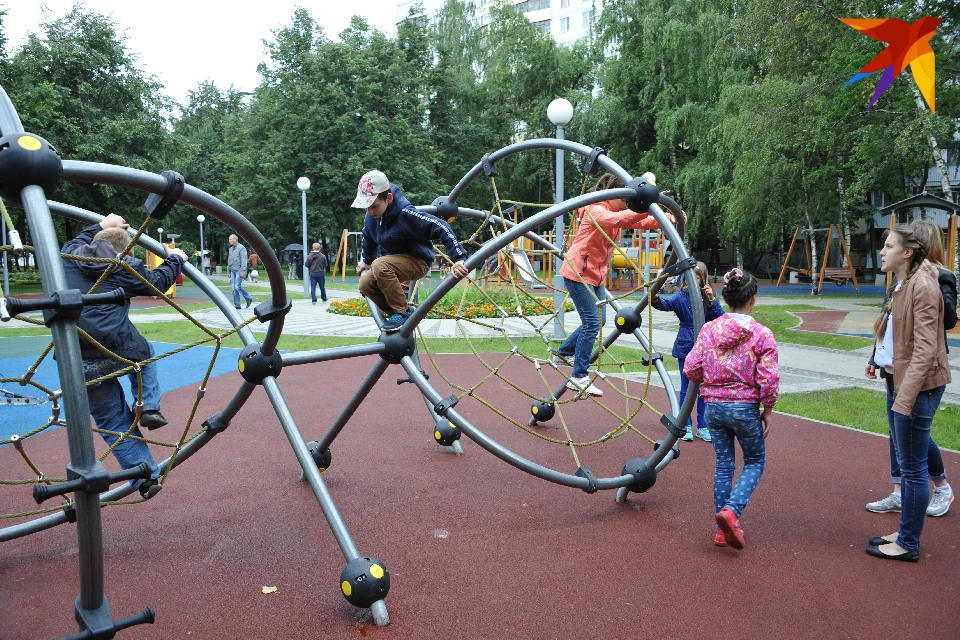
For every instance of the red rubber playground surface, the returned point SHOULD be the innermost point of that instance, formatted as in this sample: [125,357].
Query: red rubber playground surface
[478,549]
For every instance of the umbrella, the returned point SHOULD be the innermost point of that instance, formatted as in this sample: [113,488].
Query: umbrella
[293,247]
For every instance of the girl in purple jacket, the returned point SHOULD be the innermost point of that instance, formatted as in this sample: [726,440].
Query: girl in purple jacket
[735,361]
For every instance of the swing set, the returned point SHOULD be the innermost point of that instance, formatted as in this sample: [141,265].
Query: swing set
[838,275]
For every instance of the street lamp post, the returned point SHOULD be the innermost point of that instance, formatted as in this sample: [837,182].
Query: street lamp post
[560,112]
[160,234]
[303,183]
[200,219]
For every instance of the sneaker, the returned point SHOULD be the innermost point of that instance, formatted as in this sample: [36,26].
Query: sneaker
[583,385]
[153,420]
[688,436]
[249,302]
[557,361]
[730,528]
[890,504]
[704,434]
[940,503]
[394,322]
[719,539]
[150,488]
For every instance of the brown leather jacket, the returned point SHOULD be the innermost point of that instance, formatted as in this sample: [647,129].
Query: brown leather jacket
[919,347]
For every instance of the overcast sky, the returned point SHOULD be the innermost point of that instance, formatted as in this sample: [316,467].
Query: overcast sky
[184,43]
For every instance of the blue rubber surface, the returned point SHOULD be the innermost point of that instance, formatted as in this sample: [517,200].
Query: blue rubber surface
[180,370]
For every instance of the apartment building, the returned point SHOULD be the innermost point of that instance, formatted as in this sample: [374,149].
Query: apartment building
[566,20]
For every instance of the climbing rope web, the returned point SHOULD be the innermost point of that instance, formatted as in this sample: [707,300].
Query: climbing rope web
[525,327]
[33,461]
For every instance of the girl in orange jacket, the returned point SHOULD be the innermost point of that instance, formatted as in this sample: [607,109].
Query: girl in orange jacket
[584,269]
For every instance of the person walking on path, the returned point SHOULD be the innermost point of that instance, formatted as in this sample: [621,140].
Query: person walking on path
[317,264]
[237,266]
[736,362]
[911,355]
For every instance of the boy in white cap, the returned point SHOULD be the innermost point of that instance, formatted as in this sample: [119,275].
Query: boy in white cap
[398,246]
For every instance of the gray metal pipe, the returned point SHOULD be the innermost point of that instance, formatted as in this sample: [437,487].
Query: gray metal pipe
[335,353]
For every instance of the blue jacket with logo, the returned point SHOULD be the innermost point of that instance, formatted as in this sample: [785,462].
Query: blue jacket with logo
[403,229]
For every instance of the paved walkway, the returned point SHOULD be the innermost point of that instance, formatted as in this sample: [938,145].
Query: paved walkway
[802,368]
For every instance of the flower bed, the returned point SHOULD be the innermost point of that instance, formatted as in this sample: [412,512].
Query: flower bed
[453,305]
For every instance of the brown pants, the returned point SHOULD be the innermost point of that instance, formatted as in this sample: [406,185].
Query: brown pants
[381,282]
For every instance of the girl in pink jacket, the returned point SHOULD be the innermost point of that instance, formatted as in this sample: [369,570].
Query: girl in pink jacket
[736,363]
[584,270]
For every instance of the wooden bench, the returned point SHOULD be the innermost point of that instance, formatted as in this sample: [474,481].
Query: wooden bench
[839,276]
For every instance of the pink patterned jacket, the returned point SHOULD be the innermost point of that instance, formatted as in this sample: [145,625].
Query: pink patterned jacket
[734,363]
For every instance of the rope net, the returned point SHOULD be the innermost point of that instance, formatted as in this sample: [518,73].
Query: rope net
[28,459]
[523,319]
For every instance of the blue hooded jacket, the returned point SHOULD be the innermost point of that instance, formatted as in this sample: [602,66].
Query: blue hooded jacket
[403,229]
[680,304]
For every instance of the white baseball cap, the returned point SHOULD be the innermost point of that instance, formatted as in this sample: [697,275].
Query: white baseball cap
[371,185]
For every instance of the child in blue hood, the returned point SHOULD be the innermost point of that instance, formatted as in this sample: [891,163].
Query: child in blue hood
[679,303]
[397,246]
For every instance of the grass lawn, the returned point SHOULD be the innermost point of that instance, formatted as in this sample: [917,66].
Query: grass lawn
[778,320]
[535,347]
[867,410]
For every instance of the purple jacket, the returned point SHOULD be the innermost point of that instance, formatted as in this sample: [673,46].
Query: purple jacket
[734,363]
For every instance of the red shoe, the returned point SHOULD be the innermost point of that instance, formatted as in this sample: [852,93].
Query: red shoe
[730,527]
[719,539]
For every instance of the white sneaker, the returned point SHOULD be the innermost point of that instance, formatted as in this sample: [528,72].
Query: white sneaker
[583,385]
[940,502]
[557,361]
[887,505]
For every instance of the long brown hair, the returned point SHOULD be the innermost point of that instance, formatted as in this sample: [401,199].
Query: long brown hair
[933,230]
[910,238]
[608,181]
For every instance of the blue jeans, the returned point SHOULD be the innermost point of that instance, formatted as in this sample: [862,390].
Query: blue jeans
[579,344]
[934,457]
[912,440]
[684,383]
[315,279]
[151,384]
[729,420]
[236,283]
[110,411]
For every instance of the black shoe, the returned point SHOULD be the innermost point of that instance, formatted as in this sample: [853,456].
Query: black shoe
[236,307]
[879,540]
[249,302]
[153,420]
[150,488]
[394,322]
[909,556]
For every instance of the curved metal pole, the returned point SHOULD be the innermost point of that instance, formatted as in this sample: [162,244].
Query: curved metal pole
[544,473]
[9,120]
[491,247]
[94,172]
[534,144]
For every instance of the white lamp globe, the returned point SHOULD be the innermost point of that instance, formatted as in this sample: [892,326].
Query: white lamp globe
[200,218]
[160,231]
[303,183]
[560,111]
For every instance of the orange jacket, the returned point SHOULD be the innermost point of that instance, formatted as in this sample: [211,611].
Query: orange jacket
[591,252]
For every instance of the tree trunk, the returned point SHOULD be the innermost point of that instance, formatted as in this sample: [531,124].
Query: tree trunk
[937,160]
[844,222]
[814,262]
